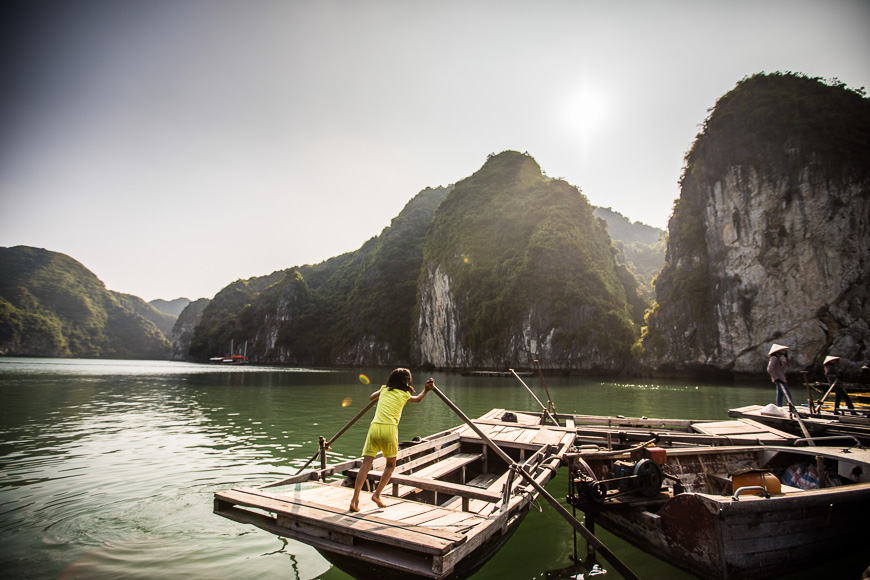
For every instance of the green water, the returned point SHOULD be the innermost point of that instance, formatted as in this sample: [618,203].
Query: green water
[107,468]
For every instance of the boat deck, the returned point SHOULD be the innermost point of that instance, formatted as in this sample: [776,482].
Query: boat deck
[818,425]
[624,431]
[449,497]
[744,431]
[452,501]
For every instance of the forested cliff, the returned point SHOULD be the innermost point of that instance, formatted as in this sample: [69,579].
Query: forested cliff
[770,238]
[517,268]
[51,305]
[355,308]
[506,266]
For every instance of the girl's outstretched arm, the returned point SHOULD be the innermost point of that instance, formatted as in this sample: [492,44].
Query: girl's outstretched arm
[375,396]
[430,384]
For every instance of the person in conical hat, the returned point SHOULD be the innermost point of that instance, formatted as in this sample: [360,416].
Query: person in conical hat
[777,366]
[832,373]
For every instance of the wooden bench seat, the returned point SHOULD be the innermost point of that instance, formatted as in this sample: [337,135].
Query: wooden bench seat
[455,489]
[427,478]
[492,482]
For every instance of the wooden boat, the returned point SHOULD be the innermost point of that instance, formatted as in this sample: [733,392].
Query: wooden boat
[621,432]
[858,392]
[235,359]
[451,502]
[694,508]
[845,426]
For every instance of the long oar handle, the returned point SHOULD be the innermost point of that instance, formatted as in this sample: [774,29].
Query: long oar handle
[550,402]
[590,537]
[339,434]
[797,416]
[822,400]
[540,404]
[352,421]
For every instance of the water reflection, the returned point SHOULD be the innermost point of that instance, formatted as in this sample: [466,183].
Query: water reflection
[108,467]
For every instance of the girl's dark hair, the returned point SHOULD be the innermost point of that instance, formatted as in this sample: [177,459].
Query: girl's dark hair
[400,379]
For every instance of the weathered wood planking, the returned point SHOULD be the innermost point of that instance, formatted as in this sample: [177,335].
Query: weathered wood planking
[419,482]
[421,537]
[752,430]
[363,525]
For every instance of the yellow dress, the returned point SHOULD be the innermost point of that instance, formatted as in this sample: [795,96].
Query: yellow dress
[383,433]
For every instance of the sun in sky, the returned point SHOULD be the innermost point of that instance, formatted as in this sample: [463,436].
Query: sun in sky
[585,112]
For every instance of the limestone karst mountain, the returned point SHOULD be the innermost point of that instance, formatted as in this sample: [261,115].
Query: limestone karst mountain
[770,239]
[517,268]
[517,259]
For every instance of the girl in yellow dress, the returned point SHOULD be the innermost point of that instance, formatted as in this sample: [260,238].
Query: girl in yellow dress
[383,433]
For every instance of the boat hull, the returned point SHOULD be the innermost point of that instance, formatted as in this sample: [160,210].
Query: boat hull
[713,532]
[466,568]
[714,539]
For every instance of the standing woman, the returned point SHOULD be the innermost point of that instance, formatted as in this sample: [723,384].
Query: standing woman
[776,368]
[832,373]
[383,433]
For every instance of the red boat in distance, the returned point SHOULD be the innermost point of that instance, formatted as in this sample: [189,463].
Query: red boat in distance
[235,359]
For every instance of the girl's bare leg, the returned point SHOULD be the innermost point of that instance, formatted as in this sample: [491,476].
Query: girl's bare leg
[388,473]
[360,479]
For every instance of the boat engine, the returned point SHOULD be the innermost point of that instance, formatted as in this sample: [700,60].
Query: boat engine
[643,477]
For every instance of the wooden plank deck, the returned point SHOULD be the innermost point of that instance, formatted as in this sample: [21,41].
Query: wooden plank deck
[294,509]
[742,430]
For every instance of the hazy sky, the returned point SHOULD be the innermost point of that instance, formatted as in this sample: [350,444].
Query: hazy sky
[175,146]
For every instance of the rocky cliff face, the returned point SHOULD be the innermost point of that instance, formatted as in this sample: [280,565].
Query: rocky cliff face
[182,332]
[439,339]
[771,241]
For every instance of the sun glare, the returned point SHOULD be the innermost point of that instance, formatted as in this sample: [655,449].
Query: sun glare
[586,111]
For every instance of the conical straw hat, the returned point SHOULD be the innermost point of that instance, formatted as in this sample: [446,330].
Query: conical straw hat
[776,348]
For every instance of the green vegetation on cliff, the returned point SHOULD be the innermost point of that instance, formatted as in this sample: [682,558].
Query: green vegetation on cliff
[51,305]
[515,243]
[783,120]
[321,313]
[641,247]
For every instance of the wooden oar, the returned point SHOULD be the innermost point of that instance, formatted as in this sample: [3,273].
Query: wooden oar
[797,416]
[828,392]
[325,446]
[809,391]
[550,403]
[590,537]
[540,404]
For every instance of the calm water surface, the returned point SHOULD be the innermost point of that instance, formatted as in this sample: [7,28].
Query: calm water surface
[107,468]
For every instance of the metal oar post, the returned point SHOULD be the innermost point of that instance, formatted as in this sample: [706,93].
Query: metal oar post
[604,550]
[809,392]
